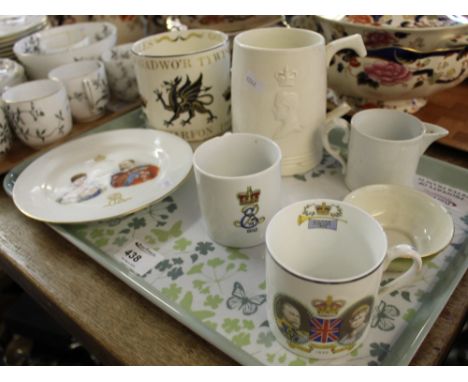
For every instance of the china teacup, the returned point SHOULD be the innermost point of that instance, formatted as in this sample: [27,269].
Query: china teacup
[87,88]
[279,87]
[38,112]
[5,133]
[324,265]
[184,82]
[121,72]
[238,183]
[11,74]
[384,146]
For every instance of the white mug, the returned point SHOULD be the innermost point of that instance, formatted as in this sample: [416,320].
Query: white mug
[239,187]
[87,88]
[324,265]
[279,86]
[184,82]
[384,146]
[38,112]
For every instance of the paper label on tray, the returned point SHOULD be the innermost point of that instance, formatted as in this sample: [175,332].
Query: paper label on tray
[139,258]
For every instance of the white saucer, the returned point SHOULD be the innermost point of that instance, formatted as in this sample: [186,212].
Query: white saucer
[102,176]
[407,216]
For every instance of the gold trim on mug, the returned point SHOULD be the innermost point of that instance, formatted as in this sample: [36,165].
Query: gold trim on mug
[166,36]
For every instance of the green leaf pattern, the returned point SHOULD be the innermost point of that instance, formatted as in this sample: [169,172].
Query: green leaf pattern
[197,276]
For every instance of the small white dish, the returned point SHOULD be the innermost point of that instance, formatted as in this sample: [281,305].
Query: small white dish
[11,73]
[407,216]
[103,176]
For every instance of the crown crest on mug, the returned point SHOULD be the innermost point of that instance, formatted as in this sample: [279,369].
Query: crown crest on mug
[323,209]
[320,211]
[286,78]
[328,307]
[248,197]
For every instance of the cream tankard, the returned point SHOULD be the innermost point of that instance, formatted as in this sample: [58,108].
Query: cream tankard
[279,86]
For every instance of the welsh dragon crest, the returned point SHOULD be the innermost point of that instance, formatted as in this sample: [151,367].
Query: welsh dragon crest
[189,97]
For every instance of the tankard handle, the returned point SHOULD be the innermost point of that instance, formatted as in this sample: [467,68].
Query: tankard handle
[353,42]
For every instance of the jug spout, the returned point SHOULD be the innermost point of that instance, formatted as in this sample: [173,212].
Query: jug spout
[432,134]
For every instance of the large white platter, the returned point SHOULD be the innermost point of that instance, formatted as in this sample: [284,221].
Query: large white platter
[103,176]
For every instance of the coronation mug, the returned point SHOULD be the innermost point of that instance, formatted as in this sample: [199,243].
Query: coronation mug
[239,187]
[184,82]
[279,86]
[324,265]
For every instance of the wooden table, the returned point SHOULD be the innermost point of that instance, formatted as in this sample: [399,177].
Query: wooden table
[119,326]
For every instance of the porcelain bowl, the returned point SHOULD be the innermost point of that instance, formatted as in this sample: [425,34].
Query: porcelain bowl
[43,51]
[404,64]
[396,78]
[424,33]
[407,216]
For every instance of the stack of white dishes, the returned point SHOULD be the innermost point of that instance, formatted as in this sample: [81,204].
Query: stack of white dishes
[14,28]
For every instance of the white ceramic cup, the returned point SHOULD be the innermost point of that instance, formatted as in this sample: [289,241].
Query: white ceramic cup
[38,112]
[87,88]
[5,132]
[184,81]
[324,265]
[11,74]
[384,146]
[279,86]
[239,187]
[121,72]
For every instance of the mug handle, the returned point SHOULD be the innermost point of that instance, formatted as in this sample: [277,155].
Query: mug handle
[337,123]
[405,251]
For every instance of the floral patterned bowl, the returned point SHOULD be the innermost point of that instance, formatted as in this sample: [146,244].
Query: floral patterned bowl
[408,58]
[424,33]
[416,34]
[407,21]
[396,78]
[46,50]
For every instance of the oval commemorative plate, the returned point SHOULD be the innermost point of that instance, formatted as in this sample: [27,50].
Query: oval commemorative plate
[103,176]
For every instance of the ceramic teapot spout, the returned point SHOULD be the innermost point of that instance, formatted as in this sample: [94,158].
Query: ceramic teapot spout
[432,134]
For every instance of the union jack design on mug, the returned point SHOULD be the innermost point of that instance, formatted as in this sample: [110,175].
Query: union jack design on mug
[324,331]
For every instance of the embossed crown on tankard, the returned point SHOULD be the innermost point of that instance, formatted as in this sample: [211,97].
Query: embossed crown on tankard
[279,89]
[184,82]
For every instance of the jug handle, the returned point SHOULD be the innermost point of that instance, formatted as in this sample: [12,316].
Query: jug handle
[353,42]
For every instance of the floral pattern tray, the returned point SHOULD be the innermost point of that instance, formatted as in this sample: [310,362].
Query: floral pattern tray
[211,288]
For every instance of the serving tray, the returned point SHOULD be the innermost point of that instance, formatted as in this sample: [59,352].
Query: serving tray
[210,288]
